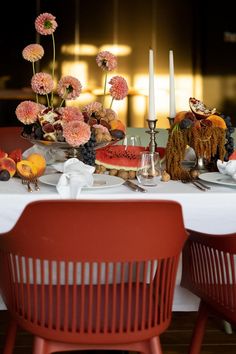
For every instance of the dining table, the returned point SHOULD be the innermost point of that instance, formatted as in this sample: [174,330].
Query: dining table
[209,211]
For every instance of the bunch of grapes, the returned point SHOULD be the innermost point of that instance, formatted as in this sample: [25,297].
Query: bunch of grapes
[28,131]
[229,145]
[87,151]
[33,131]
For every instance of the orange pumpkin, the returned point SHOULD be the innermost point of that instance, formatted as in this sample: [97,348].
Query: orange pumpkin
[217,121]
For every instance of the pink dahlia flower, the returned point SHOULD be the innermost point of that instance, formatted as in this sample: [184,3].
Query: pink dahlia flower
[33,52]
[27,112]
[69,88]
[92,107]
[71,113]
[119,87]
[45,24]
[42,83]
[106,60]
[76,133]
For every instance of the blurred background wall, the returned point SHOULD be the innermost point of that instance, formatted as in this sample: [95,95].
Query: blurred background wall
[201,34]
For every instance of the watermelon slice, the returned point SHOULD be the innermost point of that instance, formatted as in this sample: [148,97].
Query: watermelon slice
[120,157]
[233,156]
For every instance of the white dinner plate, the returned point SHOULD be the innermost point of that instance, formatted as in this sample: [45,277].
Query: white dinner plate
[219,178]
[99,181]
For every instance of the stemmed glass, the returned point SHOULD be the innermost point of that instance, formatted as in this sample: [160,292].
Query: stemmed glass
[149,170]
[131,140]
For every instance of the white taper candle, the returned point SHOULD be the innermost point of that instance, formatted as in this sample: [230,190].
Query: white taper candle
[172,112]
[151,97]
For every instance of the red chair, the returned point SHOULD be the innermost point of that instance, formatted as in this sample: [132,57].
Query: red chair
[92,274]
[209,272]
[10,139]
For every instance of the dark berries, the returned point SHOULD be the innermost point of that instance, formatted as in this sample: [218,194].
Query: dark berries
[185,123]
[4,175]
[87,151]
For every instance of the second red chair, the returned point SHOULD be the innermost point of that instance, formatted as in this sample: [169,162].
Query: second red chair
[209,272]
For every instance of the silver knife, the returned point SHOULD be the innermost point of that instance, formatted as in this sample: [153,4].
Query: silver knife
[199,186]
[134,186]
[202,184]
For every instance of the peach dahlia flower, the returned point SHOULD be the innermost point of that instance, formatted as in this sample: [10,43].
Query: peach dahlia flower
[119,87]
[92,107]
[45,24]
[33,52]
[69,88]
[71,113]
[42,83]
[76,133]
[27,112]
[106,61]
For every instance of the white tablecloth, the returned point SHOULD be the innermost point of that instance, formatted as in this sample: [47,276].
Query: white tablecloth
[211,211]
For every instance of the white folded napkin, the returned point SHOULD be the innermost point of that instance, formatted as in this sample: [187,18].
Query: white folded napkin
[75,175]
[227,168]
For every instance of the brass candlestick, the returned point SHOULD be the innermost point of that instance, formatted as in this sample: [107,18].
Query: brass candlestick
[152,132]
[171,121]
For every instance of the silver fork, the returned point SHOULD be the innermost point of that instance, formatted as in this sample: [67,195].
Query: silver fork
[27,182]
[35,182]
[31,180]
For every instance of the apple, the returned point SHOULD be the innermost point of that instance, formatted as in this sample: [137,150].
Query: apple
[6,163]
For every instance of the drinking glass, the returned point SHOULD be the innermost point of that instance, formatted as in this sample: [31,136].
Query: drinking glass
[132,140]
[149,170]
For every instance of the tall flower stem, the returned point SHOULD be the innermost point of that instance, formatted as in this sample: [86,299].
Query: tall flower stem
[111,102]
[64,97]
[48,100]
[53,63]
[37,97]
[63,100]
[104,92]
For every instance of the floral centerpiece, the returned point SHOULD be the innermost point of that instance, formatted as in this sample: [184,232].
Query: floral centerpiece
[206,131]
[84,127]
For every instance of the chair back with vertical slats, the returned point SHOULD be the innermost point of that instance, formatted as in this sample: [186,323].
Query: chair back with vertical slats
[209,271]
[93,271]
